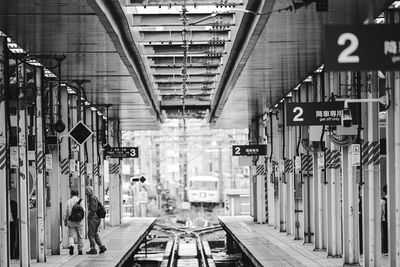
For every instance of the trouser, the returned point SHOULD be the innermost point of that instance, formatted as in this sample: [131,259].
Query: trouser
[384,237]
[78,231]
[93,232]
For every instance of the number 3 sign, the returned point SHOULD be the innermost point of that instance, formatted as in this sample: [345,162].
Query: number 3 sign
[364,47]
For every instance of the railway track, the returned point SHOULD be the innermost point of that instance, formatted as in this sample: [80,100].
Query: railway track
[187,248]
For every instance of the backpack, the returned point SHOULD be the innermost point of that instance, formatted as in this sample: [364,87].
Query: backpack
[101,211]
[77,213]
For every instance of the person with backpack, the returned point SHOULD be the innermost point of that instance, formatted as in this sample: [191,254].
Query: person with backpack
[95,209]
[74,215]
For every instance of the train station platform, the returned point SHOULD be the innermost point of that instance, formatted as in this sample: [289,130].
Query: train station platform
[121,242]
[265,246]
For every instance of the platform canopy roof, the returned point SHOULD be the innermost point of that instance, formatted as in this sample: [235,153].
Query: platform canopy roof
[227,61]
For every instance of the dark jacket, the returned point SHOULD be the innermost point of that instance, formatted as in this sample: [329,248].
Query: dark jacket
[93,203]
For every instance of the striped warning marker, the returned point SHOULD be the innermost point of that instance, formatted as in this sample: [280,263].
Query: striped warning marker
[82,167]
[96,170]
[3,157]
[328,158]
[260,170]
[65,166]
[40,161]
[370,153]
[288,165]
[307,163]
[336,159]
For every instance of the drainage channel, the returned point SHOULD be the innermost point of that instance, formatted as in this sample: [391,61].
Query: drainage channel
[167,246]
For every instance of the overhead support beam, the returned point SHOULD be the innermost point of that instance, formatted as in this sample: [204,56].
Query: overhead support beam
[248,34]
[167,3]
[113,18]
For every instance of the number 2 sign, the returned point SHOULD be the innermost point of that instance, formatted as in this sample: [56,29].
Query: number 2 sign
[362,47]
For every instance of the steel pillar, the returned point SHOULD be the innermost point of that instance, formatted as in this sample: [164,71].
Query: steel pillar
[96,183]
[89,149]
[23,170]
[65,177]
[114,182]
[40,169]
[282,180]
[54,181]
[351,241]
[4,198]
[371,199]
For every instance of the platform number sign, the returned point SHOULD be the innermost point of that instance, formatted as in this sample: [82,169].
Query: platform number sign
[249,150]
[362,47]
[122,152]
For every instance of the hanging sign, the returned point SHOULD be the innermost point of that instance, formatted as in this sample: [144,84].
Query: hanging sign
[362,47]
[249,150]
[318,113]
[122,152]
[80,133]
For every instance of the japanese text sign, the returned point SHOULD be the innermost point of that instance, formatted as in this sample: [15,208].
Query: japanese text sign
[363,47]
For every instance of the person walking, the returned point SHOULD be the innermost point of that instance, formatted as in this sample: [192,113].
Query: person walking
[74,214]
[93,223]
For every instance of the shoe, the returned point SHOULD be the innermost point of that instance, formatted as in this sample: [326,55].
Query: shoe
[80,252]
[71,250]
[92,251]
[102,249]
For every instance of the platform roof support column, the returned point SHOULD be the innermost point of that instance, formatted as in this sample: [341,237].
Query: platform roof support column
[372,214]
[290,139]
[282,179]
[270,171]
[89,149]
[96,184]
[253,135]
[393,170]
[298,210]
[40,168]
[395,197]
[100,160]
[115,189]
[318,186]
[351,251]
[23,170]
[4,199]
[81,154]
[64,172]
[260,177]
[333,178]
[54,184]
[305,174]
[274,168]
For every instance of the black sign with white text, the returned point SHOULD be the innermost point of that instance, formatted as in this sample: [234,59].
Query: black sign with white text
[249,150]
[362,47]
[122,152]
[317,113]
